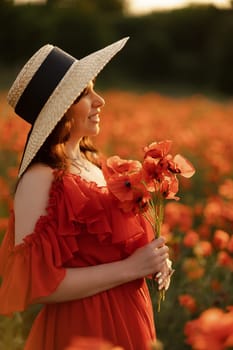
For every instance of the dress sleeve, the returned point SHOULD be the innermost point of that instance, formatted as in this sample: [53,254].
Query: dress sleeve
[29,270]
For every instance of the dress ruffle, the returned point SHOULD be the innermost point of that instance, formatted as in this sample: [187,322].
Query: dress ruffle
[36,267]
[83,207]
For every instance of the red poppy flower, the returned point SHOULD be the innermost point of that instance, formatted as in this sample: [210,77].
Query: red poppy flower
[225,260]
[191,238]
[203,248]
[130,191]
[188,302]
[169,187]
[221,239]
[159,164]
[230,245]
[154,169]
[158,149]
[116,165]
[207,332]
[180,165]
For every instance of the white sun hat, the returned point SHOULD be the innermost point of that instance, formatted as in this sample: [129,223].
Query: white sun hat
[48,85]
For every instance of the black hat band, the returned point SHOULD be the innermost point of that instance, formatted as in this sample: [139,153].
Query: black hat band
[43,83]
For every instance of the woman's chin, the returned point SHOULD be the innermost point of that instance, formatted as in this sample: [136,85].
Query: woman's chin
[89,132]
[95,131]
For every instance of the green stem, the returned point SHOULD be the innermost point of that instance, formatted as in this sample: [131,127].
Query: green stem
[157,209]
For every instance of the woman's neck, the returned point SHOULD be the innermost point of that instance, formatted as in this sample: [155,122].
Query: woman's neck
[81,166]
[73,151]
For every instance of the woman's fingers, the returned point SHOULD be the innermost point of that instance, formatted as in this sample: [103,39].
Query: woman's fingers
[158,242]
[164,276]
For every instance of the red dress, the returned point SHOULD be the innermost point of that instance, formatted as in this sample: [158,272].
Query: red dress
[82,227]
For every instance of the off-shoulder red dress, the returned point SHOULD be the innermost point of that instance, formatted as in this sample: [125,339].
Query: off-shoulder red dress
[82,227]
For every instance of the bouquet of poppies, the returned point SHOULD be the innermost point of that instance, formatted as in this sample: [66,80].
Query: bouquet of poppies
[142,187]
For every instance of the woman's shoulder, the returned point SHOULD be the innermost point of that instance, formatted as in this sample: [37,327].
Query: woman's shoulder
[37,170]
[31,198]
[37,176]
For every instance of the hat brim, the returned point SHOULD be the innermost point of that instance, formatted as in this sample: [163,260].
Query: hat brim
[69,88]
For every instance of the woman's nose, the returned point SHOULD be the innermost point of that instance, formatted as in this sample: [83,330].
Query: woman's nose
[98,100]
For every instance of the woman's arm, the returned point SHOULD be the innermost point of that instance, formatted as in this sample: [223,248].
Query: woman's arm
[86,281]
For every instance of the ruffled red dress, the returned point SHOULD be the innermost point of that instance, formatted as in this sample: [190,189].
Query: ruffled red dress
[83,227]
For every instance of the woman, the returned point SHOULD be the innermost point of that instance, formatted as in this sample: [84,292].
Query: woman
[68,246]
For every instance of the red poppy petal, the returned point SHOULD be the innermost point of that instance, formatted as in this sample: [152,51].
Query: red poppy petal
[186,168]
[158,149]
[118,187]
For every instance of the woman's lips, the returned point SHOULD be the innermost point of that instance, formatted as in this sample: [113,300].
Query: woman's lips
[94,118]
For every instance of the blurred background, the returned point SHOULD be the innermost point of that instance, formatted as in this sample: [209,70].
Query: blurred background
[172,48]
[173,80]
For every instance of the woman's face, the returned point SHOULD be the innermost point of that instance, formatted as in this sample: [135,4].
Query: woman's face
[85,113]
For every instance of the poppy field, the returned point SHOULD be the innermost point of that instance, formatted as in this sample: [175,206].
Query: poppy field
[198,227]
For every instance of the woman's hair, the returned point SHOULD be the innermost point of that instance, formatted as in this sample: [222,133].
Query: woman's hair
[52,152]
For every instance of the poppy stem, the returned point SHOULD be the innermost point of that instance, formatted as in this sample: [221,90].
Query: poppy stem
[156,215]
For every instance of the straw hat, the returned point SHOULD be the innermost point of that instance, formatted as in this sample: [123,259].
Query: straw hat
[47,86]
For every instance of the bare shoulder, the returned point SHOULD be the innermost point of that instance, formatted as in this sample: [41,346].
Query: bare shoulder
[37,180]
[31,199]
[37,174]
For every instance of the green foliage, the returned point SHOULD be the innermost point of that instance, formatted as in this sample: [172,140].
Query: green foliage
[14,329]
[190,46]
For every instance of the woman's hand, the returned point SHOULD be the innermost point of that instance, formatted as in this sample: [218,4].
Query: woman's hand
[164,276]
[149,260]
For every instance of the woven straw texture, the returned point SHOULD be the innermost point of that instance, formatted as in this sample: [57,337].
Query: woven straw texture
[26,74]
